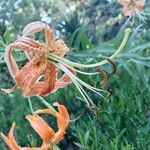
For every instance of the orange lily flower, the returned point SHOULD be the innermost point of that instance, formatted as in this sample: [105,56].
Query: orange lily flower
[46,133]
[62,122]
[39,76]
[132,6]
[11,142]
[28,78]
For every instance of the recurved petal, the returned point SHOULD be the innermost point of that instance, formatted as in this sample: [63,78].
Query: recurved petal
[63,120]
[41,127]
[10,61]
[10,141]
[45,111]
[33,27]
[59,135]
[29,41]
[62,115]
[62,82]
[49,35]
[37,26]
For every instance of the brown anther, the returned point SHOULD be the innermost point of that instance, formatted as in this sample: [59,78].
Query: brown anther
[113,66]
[104,77]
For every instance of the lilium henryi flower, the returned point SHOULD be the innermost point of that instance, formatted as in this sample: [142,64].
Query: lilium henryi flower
[28,78]
[46,59]
[46,133]
[132,6]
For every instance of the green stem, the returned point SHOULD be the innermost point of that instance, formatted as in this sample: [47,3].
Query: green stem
[46,103]
[121,47]
[79,71]
[123,43]
[30,104]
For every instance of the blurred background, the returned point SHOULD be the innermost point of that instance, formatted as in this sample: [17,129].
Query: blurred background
[93,30]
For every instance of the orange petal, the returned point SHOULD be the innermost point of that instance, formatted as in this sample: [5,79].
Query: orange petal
[40,89]
[33,27]
[60,48]
[41,127]
[29,41]
[37,26]
[25,78]
[63,81]
[63,120]
[59,135]
[10,61]
[62,116]
[11,142]
[45,87]
[49,35]
[28,80]
[45,111]
[30,53]
[11,136]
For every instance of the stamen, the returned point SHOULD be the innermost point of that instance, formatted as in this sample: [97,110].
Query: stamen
[121,47]
[78,86]
[79,83]
[79,71]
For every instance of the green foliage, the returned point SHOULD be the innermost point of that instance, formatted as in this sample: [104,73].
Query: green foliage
[120,124]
